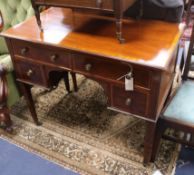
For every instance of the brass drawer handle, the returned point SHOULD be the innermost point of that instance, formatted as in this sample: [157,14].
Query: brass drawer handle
[29,72]
[128,102]
[88,67]
[99,3]
[24,50]
[54,57]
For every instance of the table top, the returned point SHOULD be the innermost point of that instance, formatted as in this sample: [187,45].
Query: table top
[148,42]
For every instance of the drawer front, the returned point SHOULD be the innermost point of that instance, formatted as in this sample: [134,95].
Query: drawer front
[29,72]
[41,53]
[129,101]
[98,66]
[99,4]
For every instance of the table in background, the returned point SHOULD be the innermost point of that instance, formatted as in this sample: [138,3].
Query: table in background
[115,7]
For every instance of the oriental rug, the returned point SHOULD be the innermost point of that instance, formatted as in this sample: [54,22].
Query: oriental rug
[80,133]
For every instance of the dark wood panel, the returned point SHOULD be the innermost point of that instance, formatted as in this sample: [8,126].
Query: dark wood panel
[116,5]
[130,101]
[102,4]
[30,72]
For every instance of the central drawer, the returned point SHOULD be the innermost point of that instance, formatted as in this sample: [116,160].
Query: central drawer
[96,4]
[100,67]
[42,53]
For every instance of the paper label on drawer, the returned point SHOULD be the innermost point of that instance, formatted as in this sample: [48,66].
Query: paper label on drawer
[129,84]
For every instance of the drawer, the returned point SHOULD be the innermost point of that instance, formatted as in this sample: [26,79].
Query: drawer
[29,72]
[46,54]
[98,4]
[109,69]
[129,101]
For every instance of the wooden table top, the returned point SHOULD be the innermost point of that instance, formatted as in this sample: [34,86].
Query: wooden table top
[148,42]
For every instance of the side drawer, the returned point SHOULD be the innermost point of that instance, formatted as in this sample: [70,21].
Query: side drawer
[29,72]
[129,101]
[42,53]
[98,66]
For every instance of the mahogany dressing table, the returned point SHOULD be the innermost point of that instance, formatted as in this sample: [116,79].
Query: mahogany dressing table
[84,45]
[116,7]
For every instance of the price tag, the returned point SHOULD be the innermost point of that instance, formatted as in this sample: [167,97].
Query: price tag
[129,86]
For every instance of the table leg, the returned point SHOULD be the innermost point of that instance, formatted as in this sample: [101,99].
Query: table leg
[26,90]
[66,79]
[74,81]
[149,141]
[119,17]
[37,15]
[161,127]
[119,30]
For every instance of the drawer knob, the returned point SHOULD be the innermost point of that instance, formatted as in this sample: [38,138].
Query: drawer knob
[128,102]
[29,72]
[54,57]
[99,3]
[24,51]
[88,67]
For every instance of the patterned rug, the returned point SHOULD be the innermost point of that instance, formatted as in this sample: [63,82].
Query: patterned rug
[80,133]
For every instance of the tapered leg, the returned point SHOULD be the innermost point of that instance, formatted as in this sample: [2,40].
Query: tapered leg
[119,30]
[66,80]
[74,81]
[26,90]
[158,136]
[37,15]
[119,16]
[148,142]
[182,63]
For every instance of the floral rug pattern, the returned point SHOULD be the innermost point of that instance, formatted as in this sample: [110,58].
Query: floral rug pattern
[79,132]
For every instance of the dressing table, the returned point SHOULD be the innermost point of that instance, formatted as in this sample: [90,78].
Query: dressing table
[116,7]
[84,44]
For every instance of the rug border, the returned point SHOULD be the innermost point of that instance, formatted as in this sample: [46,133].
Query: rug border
[75,169]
